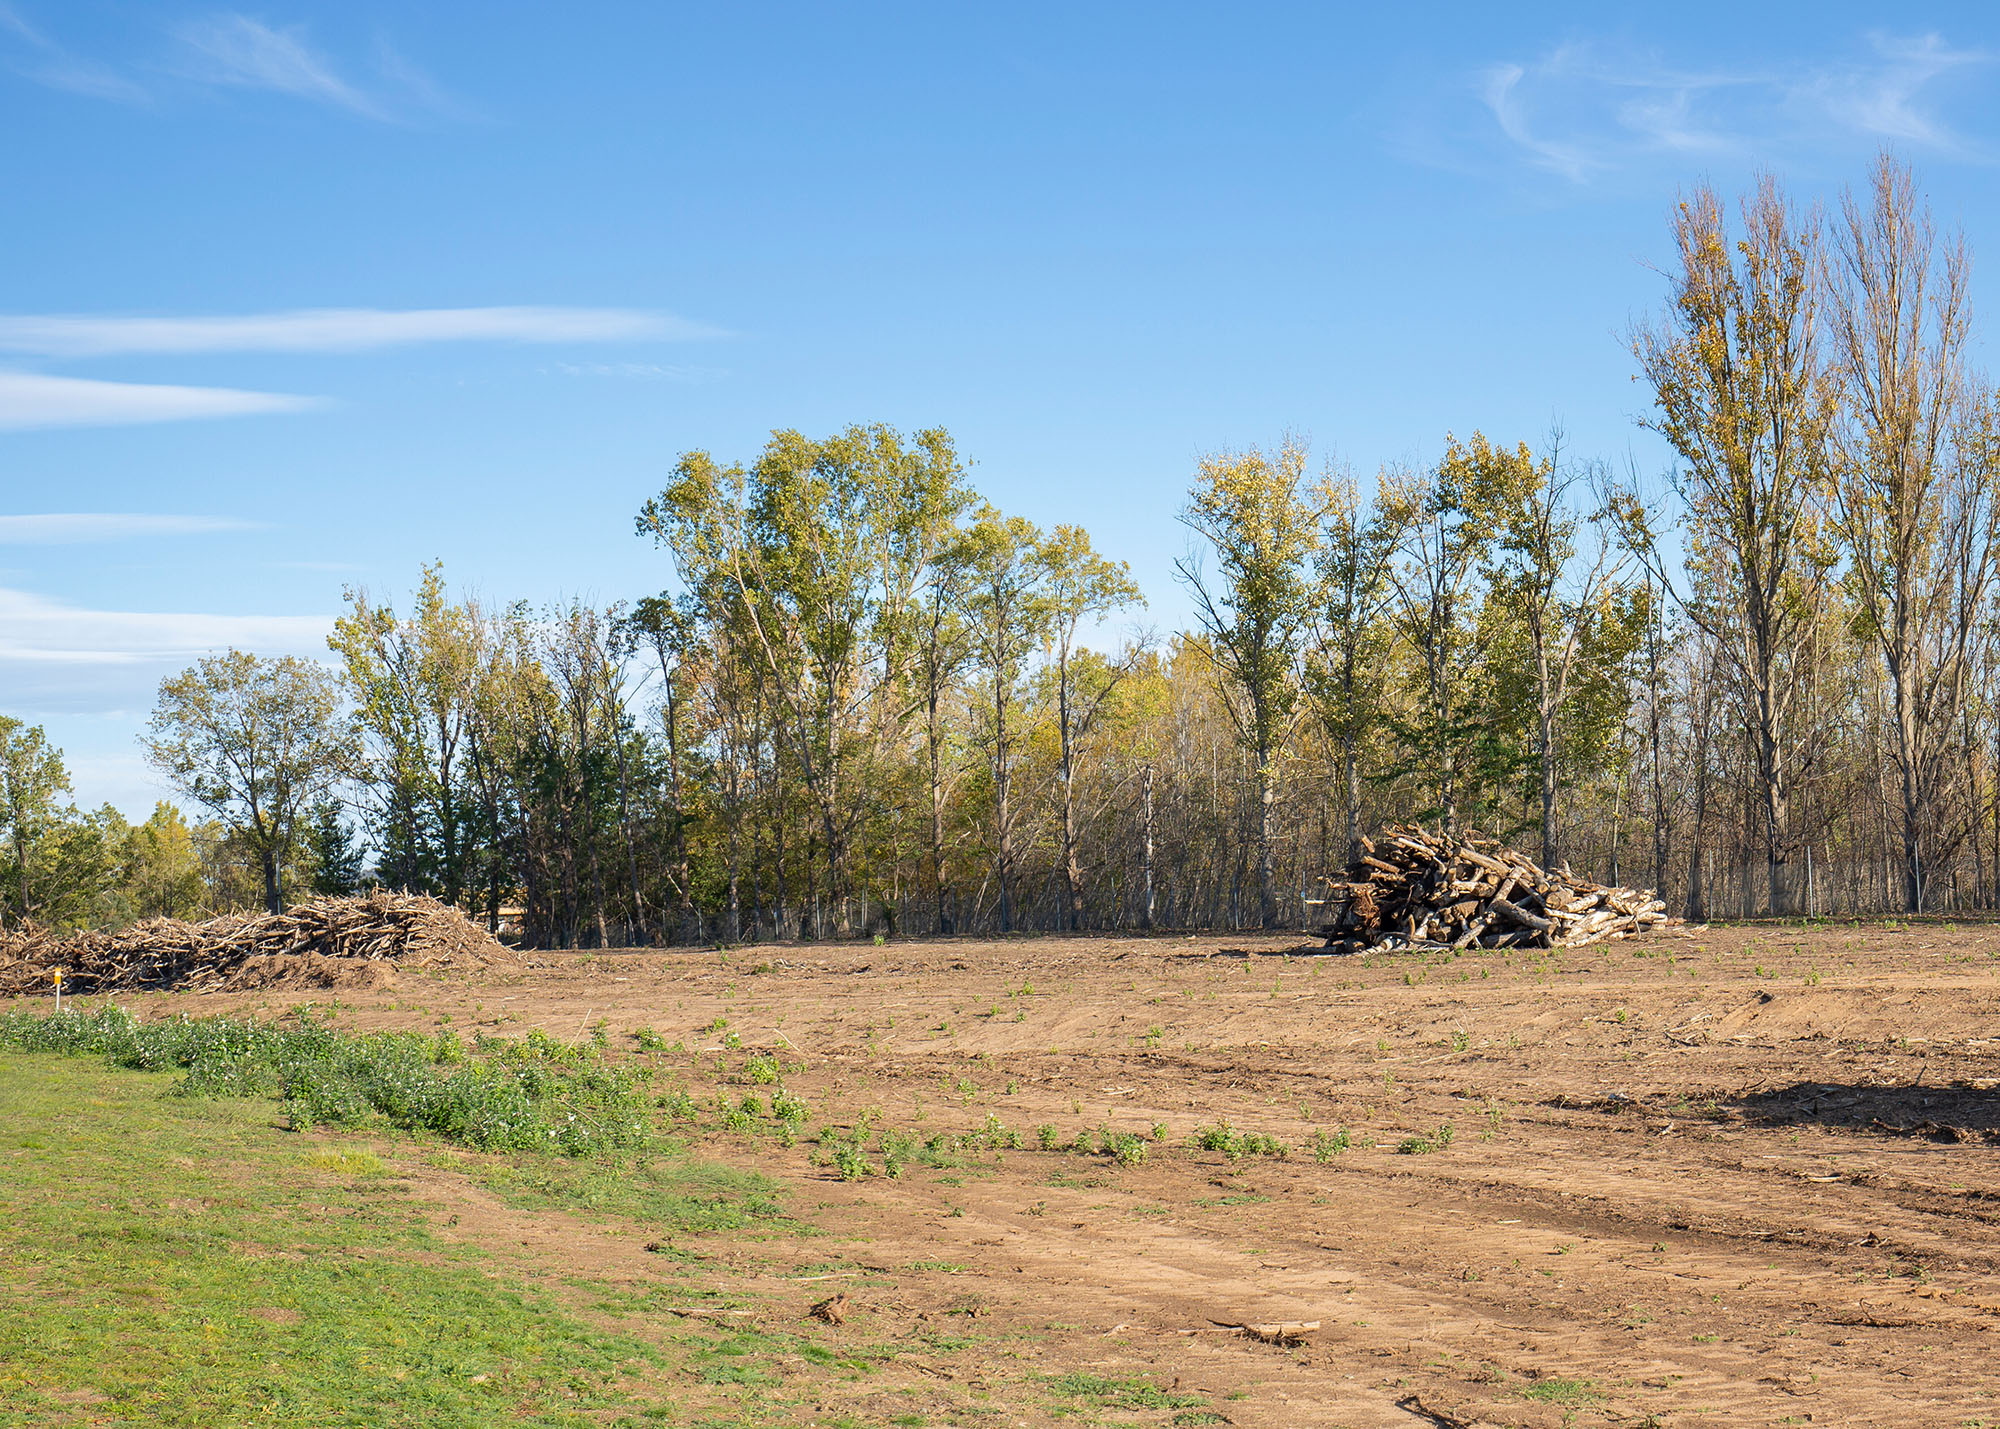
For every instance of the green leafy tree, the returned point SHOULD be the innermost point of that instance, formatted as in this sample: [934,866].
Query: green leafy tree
[667,627]
[1008,610]
[33,784]
[415,684]
[259,743]
[1350,643]
[84,870]
[1448,517]
[1259,515]
[163,867]
[821,550]
[940,648]
[1078,586]
[1551,591]
[336,858]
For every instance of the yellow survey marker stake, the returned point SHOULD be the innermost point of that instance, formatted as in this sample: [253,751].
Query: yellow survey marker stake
[57,975]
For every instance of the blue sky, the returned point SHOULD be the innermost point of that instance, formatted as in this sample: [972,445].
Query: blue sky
[300,297]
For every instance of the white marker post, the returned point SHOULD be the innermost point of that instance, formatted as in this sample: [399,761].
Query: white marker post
[57,975]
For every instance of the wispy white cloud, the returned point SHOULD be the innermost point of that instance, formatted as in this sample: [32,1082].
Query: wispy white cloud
[35,56]
[69,665]
[1501,91]
[1885,96]
[1582,110]
[334,330]
[416,89]
[236,50]
[642,371]
[70,528]
[31,399]
[37,630]
[231,50]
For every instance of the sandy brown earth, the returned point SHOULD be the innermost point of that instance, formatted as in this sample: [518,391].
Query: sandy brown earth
[1716,1176]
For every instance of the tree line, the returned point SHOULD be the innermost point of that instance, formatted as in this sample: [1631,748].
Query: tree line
[866,699]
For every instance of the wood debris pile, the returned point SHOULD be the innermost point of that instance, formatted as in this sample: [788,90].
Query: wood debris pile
[248,949]
[1416,889]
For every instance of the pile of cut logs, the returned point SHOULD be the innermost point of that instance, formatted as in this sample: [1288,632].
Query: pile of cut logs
[1416,889]
[168,953]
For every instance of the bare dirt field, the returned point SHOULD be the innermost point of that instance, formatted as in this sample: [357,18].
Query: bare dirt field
[1714,1176]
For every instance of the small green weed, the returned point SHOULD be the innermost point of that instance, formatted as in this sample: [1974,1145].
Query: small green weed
[1437,1140]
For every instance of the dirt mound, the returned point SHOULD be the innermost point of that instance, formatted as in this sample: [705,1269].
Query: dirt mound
[331,942]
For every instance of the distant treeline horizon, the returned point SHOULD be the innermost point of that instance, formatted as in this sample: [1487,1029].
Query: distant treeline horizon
[866,700]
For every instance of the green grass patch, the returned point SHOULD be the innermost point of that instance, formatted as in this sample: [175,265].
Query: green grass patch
[662,1189]
[179,1262]
[1562,1391]
[1096,1392]
[535,1094]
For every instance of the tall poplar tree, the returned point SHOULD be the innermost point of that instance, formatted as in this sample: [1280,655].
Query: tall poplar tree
[1914,488]
[1258,515]
[1740,394]
[1078,585]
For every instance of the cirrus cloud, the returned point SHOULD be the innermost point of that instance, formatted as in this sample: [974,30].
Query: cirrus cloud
[31,399]
[1585,109]
[71,528]
[335,330]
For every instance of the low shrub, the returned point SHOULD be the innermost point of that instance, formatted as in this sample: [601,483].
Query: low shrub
[537,1094]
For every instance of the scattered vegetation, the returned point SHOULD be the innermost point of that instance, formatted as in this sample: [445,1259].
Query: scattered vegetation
[1424,1145]
[533,1094]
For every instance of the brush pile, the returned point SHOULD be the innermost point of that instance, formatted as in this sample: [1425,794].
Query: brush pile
[1415,889]
[321,941]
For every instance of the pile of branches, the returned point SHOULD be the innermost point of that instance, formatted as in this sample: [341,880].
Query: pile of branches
[197,957]
[1415,889]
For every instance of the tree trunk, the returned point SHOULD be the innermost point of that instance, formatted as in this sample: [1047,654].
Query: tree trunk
[631,845]
[1267,798]
[1994,781]
[735,865]
[1147,918]
[1908,739]
[1697,893]
[1661,842]
[493,898]
[1777,815]
[1003,847]
[682,880]
[1777,805]
[1546,749]
[934,737]
[269,858]
[1072,867]
[1350,760]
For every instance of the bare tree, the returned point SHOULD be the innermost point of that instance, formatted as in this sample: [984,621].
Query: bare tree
[1914,486]
[1740,395]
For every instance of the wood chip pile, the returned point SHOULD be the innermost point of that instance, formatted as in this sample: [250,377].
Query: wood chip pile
[233,951]
[1415,889]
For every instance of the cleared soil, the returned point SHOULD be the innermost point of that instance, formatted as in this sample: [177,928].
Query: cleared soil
[1714,1176]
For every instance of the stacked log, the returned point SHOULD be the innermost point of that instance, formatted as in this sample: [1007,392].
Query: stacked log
[1417,889]
[196,957]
